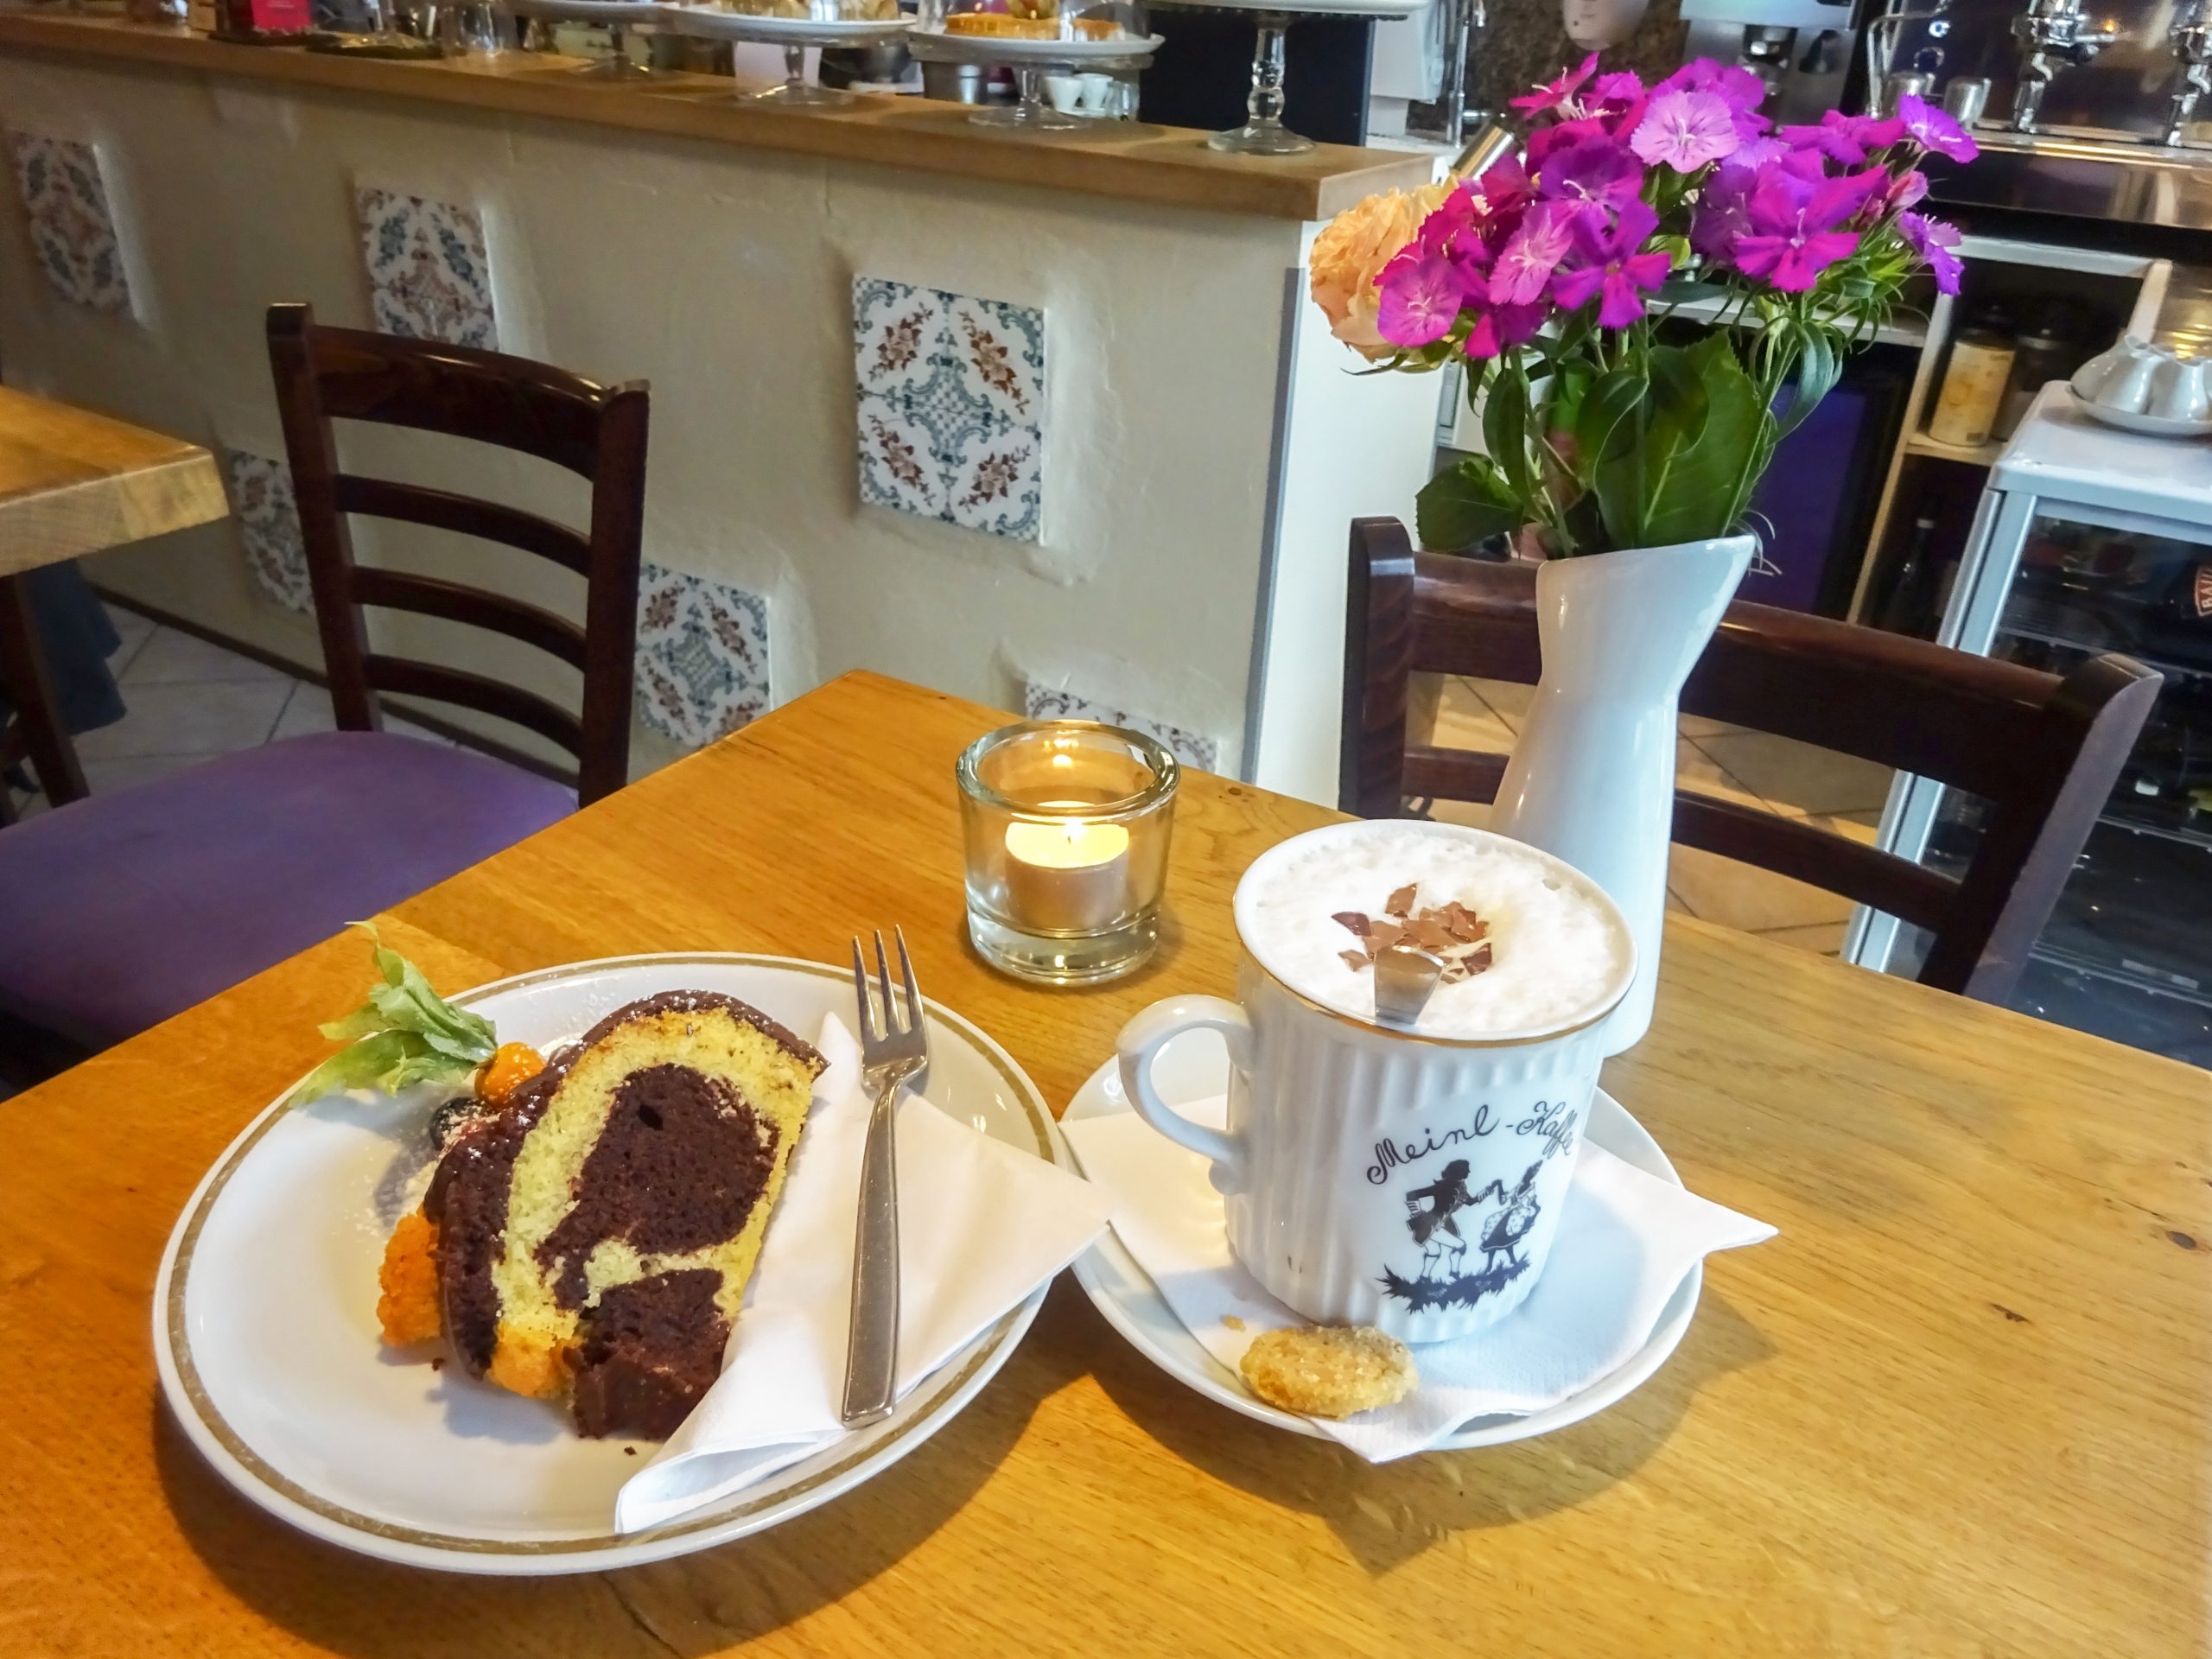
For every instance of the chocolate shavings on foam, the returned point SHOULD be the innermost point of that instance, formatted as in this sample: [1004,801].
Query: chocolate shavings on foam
[1449,930]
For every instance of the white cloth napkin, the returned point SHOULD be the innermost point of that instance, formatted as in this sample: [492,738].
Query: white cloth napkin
[980,1225]
[1625,1241]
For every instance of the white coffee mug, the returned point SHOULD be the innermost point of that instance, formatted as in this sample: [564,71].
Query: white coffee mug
[1375,1177]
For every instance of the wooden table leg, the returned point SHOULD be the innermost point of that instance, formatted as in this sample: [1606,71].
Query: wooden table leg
[23,677]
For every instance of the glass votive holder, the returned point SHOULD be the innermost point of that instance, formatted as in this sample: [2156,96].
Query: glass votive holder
[1066,825]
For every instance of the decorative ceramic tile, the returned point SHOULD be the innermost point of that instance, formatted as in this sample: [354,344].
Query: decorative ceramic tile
[1055,703]
[952,406]
[428,276]
[702,656]
[64,201]
[268,528]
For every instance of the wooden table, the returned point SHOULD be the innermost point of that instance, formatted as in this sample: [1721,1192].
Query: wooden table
[75,482]
[1961,1406]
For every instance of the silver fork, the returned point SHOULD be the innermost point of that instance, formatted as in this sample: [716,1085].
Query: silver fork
[894,1055]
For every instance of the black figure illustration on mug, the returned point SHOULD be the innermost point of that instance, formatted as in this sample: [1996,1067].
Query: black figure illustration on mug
[1444,1215]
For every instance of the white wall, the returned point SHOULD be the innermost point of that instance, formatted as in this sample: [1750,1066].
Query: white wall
[723,275]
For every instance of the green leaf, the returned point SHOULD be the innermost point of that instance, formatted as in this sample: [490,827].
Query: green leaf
[1699,457]
[1819,367]
[1612,399]
[406,1034]
[1505,430]
[1462,503]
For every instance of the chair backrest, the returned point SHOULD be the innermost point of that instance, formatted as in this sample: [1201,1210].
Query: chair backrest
[2042,751]
[325,373]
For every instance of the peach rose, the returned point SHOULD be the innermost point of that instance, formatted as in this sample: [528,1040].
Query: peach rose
[1350,253]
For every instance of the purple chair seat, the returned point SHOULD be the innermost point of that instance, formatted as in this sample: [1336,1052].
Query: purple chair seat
[124,909]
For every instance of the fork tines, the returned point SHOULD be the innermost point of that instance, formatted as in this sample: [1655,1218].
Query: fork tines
[895,1020]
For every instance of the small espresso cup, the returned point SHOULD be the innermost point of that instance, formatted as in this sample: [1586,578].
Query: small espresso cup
[1379,1177]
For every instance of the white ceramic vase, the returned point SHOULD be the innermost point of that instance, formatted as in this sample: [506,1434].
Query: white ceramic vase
[1592,778]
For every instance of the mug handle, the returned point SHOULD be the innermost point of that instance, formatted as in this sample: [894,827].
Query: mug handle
[1140,1043]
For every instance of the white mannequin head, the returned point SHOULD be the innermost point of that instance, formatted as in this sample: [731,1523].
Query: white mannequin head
[1593,24]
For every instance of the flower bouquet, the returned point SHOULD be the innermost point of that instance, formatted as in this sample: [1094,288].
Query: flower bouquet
[1552,274]
[1609,431]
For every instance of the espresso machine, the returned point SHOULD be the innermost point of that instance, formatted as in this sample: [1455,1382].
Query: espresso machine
[2128,72]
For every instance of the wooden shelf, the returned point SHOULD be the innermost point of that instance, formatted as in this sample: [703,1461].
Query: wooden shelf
[1167,165]
[1970,454]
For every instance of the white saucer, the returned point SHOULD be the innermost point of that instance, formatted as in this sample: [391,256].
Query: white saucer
[265,1330]
[1194,1067]
[2129,420]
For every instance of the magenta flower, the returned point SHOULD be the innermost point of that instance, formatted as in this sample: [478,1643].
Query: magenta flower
[1607,263]
[1596,176]
[1559,94]
[1846,138]
[1506,188]
[1738,86]
[1723,210]
[1454,215]
[1421,300]
[1685,130]
[1618,92]
[1934,241]
[1756,148]
[1546,141]
[1905,190]
[1792,236]
[1525,268]
[1931,129]
[1503,327]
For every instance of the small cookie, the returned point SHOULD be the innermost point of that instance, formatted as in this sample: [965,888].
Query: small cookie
[1329,1371]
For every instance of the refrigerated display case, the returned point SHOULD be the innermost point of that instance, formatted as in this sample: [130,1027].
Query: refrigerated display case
[2090,540]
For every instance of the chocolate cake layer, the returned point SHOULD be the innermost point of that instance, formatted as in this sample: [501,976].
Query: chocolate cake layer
[468,1202]
[651,1350]
[680,1165]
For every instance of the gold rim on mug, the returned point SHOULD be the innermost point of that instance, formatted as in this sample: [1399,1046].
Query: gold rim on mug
[211,1419]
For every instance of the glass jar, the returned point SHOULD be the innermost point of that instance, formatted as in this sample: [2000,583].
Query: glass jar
[1067,826]
[1973,388]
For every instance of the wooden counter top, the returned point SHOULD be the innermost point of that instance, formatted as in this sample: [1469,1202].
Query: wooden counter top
[1168,165]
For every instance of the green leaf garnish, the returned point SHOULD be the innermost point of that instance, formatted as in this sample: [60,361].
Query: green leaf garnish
[407,1033]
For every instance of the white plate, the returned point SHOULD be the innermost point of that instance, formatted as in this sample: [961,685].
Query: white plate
[2156,426]
[265,1330]
[934,44]
[713,22]
[1192,1068]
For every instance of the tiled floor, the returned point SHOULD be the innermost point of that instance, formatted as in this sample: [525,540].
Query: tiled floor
[189,702]
[1773,773]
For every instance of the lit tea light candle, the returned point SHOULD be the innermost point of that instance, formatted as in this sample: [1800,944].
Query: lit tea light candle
[1067,876]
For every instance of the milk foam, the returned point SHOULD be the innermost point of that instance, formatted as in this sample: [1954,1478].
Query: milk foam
[1559,952]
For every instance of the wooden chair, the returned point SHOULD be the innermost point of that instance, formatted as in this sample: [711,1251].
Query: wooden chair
[324,373]
[124,908]
[2042,751]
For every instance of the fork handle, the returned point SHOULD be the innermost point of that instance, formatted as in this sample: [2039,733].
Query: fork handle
[872,1348]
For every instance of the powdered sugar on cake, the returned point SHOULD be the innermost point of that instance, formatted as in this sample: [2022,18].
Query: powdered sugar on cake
[1559,951]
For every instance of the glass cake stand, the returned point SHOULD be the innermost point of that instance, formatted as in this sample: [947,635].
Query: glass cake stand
[618,17]
[831,23]
[1034,38]
[1263,132]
